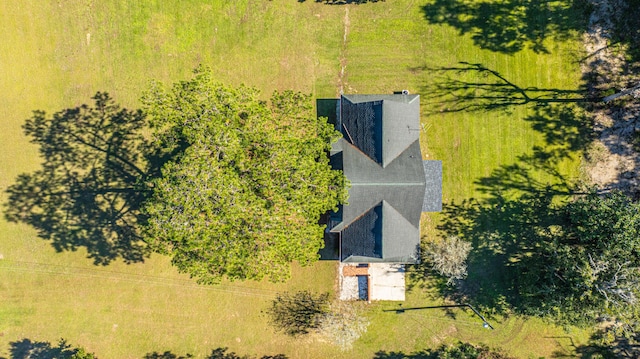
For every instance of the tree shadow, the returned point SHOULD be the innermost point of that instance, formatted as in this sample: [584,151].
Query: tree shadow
[512,25]
[344,2]
[28,349]
[469,87]
[95,168]
[516,214]
[607,343]
[627,29]
[506,227]
[382,354]
[166,355]
[504,232]
[224,353]
[559,114]
[460,350]
[565,129]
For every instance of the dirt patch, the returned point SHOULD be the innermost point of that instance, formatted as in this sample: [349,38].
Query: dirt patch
[343,52]
[612,160]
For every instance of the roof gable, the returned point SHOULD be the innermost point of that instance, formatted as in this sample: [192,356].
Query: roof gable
[363,240]
[381,126]
[400,128]
[363,237]
[362,127]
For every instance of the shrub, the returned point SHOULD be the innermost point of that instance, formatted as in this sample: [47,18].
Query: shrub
[298,313]
[448,258]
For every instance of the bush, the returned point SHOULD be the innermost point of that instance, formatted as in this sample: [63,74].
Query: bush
[298,313]
[343,325]
[448,258]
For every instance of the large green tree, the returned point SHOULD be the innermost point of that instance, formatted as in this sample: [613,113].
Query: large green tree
[574,260]
[247,183]
[589,268]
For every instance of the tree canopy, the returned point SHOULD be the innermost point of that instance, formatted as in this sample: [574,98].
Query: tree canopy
[247,181]
[589,267]
[572,260]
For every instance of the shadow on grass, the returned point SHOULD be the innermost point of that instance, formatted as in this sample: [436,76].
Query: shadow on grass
[89,188]
[166,355]
[505,229]
[504,233]
[344,2]
[460,350]
[218,353]
[567,130]
[512,25]
[627,29]
[618,351]
[469,87]
[28,349]
[515,216]
[606,343]
[401,355]
[559,114]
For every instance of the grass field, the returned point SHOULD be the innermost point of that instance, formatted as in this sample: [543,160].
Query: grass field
[56,54]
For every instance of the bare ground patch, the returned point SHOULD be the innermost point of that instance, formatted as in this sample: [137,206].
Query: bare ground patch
[343,52]
[612,161]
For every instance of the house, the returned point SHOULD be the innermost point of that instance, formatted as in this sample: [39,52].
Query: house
[390,183]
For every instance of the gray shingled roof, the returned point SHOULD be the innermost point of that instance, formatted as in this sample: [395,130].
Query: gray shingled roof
[390,183]
[381,126]
[433,190]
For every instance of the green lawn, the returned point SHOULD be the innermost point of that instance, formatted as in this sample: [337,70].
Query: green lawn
[56,54]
